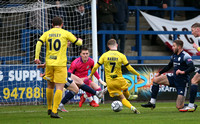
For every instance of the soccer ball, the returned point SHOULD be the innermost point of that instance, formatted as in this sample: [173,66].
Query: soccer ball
[116,106]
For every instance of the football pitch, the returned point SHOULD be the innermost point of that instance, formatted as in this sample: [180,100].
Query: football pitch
[164,113]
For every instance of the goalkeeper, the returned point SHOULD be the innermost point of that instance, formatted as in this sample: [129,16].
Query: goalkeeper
[80,68]
[56,40]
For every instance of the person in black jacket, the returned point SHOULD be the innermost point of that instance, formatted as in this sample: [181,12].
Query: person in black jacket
[57,11]
[133,3]
[105,11]
[79,20]
[121,18]
[161,4]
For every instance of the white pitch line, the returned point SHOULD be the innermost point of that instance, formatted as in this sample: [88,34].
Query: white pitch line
[45,111]
[102,109]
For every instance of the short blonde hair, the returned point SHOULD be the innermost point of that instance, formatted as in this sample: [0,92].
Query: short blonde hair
[111,42]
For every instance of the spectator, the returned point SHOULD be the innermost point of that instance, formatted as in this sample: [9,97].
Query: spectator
[57,11]
[131,3]
[79,20]
[105,11]
[159,3]
[121,18]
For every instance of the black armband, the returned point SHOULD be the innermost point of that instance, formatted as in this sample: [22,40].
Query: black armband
[126,64]
[41,41]
[76,41]
[99,63]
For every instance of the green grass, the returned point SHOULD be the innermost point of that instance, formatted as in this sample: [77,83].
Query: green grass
[164,113]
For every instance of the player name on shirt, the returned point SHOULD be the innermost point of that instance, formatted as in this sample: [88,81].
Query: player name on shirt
[113,58]
[54,35]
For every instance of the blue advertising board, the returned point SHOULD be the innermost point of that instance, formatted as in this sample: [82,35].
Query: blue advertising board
[20,84]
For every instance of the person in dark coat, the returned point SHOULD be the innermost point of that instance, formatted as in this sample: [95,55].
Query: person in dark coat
[121,18]
[105,11]
[161,4]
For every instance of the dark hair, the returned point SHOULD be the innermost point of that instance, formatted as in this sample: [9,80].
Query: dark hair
[196,25]
[84,49]
[179,43]
[111,42]
[57,21]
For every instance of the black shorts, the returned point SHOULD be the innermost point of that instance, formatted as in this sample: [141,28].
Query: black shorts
[180,84]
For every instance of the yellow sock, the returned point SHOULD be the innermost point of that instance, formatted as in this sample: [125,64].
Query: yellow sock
[49,95]
[56,101]
[126,94]
[126,103]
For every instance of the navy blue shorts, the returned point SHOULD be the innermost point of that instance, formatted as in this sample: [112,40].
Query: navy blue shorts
[180,84]
[69,80]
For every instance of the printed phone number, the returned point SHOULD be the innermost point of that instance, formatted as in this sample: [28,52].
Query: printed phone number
[21,92]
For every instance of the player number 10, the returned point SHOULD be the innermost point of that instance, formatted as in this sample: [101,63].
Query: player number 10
[30,92]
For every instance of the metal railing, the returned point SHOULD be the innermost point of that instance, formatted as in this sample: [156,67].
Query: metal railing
[138,33]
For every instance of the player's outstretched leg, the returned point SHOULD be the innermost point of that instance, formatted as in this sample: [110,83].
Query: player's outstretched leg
[151,103]
[69,95]
[83,97]
[88,89]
